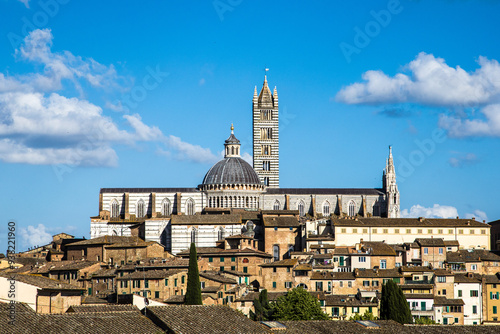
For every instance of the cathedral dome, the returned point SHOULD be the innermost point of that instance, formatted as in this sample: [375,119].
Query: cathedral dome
[231,170]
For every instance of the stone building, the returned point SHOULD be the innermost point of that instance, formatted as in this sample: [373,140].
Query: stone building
[171,216]
[44,295]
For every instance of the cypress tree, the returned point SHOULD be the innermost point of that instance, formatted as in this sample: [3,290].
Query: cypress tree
[193,290]
[383,303]
[393,304]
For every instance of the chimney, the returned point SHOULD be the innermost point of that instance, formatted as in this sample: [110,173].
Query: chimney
[473,218]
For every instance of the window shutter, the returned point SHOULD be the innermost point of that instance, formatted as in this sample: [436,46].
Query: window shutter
[497,295]
[491,295]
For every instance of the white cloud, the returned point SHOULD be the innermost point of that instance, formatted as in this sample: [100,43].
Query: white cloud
[187,151]
[34,235]
[478,215]
[40,126]
[143,131]
[459,127]
[64,66]
[247,157]
[436,211]
[432,82]
[463,159]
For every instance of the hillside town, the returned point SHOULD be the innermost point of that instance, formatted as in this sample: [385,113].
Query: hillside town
[340,245]
[444,280]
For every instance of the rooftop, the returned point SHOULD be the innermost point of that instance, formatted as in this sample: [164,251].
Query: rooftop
[403,222]
[430,242]
[202,319]
[280,221]
[42,282]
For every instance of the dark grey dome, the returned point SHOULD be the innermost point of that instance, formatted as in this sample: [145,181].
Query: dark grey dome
[231,170]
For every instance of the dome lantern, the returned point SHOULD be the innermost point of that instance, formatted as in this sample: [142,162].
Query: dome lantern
[232,146]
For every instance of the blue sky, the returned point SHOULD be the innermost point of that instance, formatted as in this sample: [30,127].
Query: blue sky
[131,94]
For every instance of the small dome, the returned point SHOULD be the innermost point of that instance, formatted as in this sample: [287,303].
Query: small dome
[231,170]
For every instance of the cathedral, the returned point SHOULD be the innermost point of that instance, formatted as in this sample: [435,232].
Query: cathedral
[233,193]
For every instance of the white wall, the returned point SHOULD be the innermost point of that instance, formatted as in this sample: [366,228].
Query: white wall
[25,293]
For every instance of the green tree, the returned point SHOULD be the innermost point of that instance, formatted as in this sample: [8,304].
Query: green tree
[365,316]
[193,289]
[298,304]
[263,309]
[393,304]
[424,321]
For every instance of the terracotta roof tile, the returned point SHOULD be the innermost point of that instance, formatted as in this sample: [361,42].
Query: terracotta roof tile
[202,319]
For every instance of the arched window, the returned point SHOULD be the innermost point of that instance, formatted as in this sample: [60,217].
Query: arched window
[115,209]
[276,252]
[140,209]
[301,208]
[232,150]
[194,235]
[276,205]
[190,206]
[352,208]
[220,234]
[326,208]
[166,207]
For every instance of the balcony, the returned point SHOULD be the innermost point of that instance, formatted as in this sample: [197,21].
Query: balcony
[422,312]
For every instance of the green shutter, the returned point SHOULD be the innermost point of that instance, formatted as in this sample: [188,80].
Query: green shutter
[166,281]
[491,295]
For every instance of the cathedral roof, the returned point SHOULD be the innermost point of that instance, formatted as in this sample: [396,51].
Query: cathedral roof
[231,170]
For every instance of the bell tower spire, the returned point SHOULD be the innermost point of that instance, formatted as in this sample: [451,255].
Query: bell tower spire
[391,187]
[266,135]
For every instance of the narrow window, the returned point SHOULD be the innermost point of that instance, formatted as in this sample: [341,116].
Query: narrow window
[115,209]
[326,208]
[352,208]
[194,233]
[190,207]
[301,208]
[276,252]
[166,207]
[140,209]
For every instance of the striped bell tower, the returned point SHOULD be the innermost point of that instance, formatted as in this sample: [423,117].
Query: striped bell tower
[266,136]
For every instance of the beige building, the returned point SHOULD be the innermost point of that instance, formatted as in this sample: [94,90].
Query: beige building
[42,294]
[114,249]
[277,276]
[343,307]
[155,284]
[470,233]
